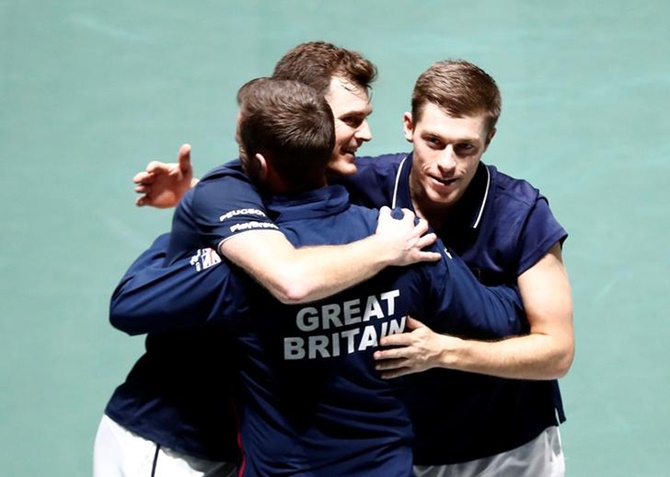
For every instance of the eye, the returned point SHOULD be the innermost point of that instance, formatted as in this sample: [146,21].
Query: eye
[352,121]
[464,148]
[435,142]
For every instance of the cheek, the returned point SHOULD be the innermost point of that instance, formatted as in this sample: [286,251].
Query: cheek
[423,158]
[471,166]
[343,134]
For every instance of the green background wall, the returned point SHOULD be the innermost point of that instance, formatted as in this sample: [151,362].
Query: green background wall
[90,91]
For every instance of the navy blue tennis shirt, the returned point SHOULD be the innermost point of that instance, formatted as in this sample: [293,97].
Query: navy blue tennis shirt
[501,226]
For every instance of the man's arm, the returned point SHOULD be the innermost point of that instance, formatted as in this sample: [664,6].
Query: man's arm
[200,288]
[192,291]
[311,273]
[545,353]
[296,275]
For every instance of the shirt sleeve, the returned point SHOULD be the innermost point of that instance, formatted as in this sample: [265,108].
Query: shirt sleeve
[227,204]
[192,291]
[458,304]
[541,231]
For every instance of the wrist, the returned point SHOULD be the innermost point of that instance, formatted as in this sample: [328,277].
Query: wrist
[453,350]
[379,251]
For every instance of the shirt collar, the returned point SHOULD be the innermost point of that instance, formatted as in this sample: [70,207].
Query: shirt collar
[317,203]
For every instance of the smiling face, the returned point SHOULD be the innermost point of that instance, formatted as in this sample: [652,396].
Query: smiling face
[447,151]
[351,107]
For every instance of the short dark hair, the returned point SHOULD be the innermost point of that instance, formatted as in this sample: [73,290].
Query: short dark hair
[459,88]
[315,63]
[291,125]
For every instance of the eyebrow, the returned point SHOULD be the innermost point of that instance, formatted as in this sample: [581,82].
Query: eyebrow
[468,139]
[363,114]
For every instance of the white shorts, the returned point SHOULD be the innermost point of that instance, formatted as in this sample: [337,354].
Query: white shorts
[541,457]
[120,453]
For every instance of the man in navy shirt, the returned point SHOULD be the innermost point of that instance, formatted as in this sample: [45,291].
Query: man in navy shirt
[312,402]
[504,230]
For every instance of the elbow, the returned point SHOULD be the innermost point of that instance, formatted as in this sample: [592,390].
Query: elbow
[561,369]
[291,287]
[563,362]
[121,318]
[293,294]
[566,362]
[123,325]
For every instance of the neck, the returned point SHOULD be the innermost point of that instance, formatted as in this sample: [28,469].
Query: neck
[279,186]
[434,213]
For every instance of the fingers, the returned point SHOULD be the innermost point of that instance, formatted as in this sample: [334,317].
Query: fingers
[384,216]
[407,213]
[143,178]
[413,323]
[426,240]
[141,201]
[396,339]
[393,368]
[385,362]
[157,167]
[396,373]
[184,158]
[421,226]
[387,355]
[429,256]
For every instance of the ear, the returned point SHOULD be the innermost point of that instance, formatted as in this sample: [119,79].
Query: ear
[408,126]
[262,164]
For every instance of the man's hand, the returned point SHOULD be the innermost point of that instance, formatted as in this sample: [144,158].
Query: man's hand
[163,185]
[403,240]
[413,351]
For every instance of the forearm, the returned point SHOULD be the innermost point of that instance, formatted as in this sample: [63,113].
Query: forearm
[158,298]
[154,296]
[324,271]
[534,356]
[548,350]
[543,350]
[300,275]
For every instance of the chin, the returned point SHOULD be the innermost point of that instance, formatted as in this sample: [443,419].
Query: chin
[342,168]
[442,197]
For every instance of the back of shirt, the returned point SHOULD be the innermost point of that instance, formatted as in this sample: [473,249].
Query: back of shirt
[307,370]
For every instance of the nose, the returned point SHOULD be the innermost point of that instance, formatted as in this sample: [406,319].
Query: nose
[364,133]
[446,161]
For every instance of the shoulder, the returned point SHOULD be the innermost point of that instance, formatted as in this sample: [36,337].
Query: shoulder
[226,185]
[373,183]
[230,171]
[512,197]
[365,216]
[511,191]
[386,164]
[521,213]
